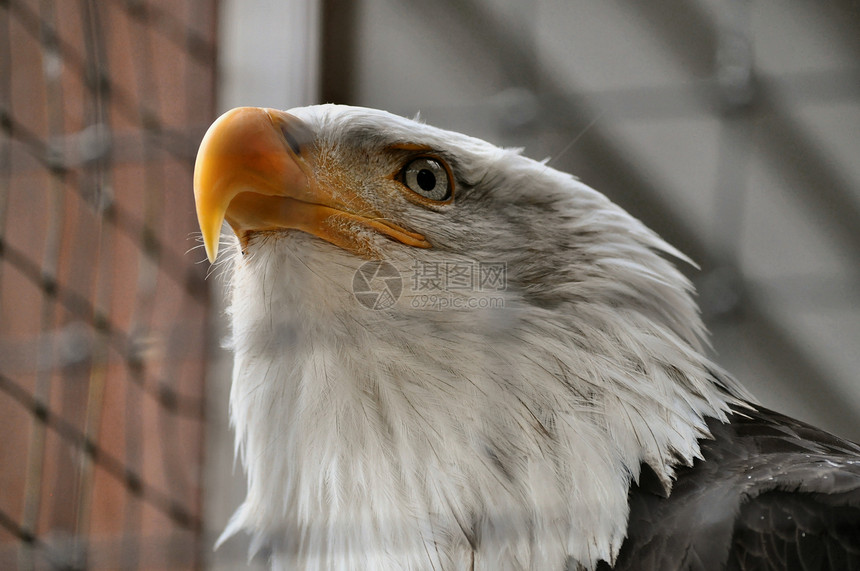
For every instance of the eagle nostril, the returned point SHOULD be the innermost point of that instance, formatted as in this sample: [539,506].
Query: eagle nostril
[291,140]
[295,132]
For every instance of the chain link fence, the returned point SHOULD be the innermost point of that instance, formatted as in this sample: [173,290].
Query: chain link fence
[102,314]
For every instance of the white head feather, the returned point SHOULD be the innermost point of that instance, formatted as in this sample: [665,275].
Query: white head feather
[442,438]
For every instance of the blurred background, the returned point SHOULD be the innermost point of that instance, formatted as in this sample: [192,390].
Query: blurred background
[732,127]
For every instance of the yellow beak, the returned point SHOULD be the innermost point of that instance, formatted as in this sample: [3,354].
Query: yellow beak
[251,170]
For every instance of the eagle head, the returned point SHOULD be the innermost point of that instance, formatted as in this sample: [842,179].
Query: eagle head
[533,347]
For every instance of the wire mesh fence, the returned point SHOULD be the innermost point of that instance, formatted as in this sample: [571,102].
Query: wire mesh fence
[102,317]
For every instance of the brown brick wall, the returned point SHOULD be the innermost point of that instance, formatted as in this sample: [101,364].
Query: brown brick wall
[103,311]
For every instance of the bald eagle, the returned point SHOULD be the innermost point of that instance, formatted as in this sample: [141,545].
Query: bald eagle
[451,357]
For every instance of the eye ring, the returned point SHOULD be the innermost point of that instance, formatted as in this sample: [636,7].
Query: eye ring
[429,178]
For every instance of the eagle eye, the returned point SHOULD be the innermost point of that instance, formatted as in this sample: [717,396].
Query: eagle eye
[429,178]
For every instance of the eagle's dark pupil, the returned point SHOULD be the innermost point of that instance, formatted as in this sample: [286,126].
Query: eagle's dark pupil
[426,180]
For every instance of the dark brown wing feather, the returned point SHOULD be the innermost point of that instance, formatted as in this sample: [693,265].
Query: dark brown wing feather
[771,493]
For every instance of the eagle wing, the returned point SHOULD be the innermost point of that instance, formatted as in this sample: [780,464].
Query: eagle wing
[769,493]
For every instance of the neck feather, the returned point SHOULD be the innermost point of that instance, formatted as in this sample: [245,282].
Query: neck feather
[385,441]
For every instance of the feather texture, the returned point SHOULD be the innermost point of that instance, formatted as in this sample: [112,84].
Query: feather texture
[770,493]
